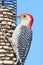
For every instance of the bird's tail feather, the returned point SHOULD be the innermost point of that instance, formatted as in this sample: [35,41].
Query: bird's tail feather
[19,63]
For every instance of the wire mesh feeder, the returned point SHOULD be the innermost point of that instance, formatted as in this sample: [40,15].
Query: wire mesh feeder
[8,22]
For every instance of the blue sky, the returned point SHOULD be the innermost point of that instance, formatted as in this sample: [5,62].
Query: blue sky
[34,7]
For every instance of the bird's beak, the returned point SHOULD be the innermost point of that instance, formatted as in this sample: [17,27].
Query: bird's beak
[17,16]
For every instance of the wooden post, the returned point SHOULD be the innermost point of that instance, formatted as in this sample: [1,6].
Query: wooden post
[8,22]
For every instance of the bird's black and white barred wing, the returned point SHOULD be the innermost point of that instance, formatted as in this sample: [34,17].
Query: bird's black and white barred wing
[24,42]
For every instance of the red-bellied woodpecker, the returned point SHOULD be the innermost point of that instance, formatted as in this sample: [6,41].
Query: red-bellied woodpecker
[22,37]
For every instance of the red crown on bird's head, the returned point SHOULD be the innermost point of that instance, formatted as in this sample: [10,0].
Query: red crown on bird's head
[32,20]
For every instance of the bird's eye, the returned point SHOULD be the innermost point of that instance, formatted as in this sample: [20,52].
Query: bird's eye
[24,15]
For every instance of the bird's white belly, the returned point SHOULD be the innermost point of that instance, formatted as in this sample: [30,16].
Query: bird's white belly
[15,37]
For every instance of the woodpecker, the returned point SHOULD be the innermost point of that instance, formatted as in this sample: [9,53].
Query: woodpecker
[22,37]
